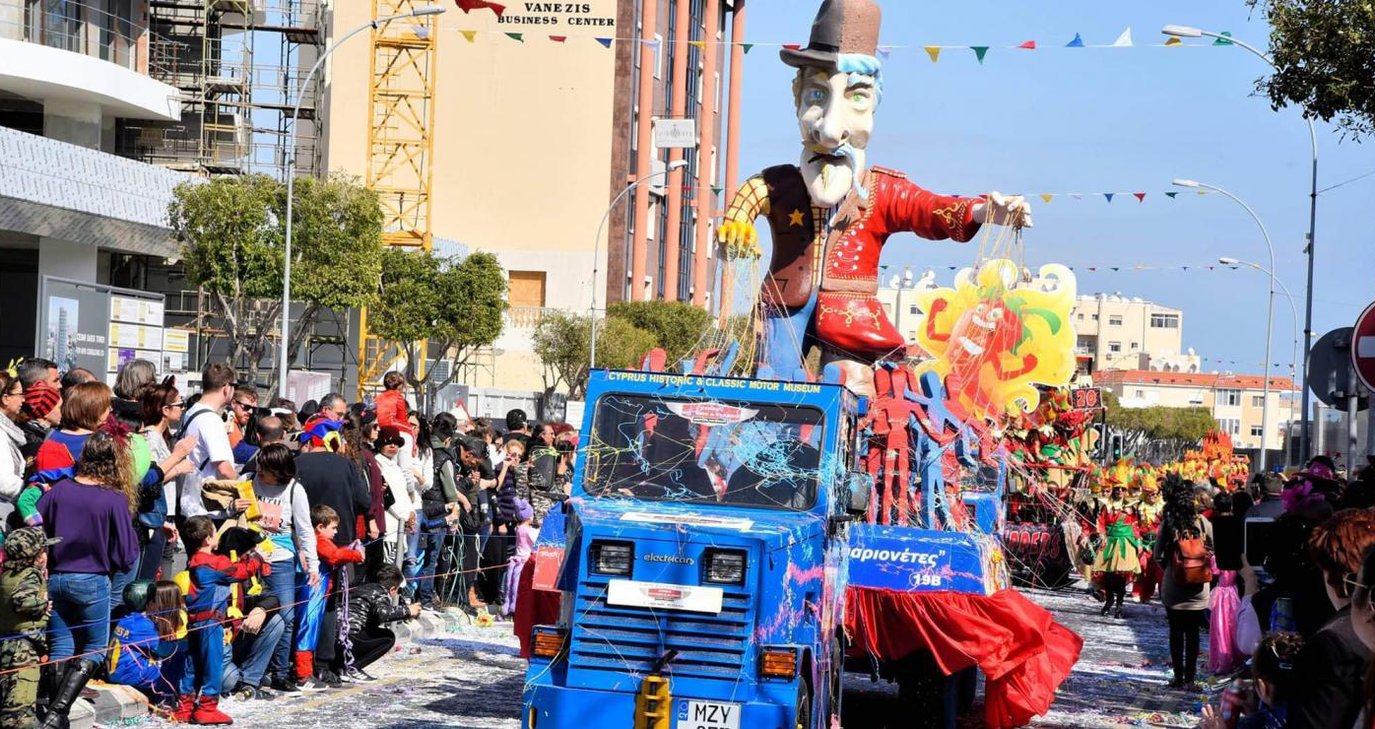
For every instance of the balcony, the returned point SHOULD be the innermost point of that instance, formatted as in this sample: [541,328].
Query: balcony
[70,51]
[527,317]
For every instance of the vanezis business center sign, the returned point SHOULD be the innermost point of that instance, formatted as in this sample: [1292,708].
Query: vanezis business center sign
[573,15]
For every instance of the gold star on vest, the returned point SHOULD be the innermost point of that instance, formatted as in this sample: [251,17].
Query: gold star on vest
[796,218]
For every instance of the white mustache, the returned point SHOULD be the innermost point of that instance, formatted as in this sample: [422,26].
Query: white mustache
[850,154]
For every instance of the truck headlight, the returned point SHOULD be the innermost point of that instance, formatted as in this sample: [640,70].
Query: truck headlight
[612,558]
[725,567]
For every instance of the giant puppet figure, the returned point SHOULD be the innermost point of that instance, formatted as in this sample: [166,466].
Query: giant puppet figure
[831,215]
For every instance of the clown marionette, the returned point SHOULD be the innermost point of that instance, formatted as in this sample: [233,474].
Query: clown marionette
[831,215]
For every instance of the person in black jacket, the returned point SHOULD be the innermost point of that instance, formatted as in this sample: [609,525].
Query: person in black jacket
[439,509]
[1332,664]
[372,606]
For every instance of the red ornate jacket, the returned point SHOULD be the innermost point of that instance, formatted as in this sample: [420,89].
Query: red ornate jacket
[840,262]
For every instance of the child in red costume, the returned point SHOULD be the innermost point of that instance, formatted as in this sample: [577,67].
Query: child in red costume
[311,598]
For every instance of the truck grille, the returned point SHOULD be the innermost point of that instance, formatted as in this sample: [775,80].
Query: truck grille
[617,639]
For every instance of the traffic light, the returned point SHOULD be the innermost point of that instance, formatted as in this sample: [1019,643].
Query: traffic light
[1100,443]
[1115,447]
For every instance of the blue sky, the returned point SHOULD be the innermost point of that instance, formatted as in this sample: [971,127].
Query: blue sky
[1085,120]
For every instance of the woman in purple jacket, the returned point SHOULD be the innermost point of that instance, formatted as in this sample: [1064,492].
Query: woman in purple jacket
[92,515]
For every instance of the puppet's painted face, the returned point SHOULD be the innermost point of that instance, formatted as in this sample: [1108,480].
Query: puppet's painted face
[835,111]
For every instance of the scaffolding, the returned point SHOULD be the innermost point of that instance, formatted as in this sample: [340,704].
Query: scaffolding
[400,149]
[239,65]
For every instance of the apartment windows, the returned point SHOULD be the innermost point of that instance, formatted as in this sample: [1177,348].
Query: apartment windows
[1230,426]
[1140,394]
[1229,398]
[1257,401]
[1114,321]
[1257,431]
[1164,321]
[1114,347]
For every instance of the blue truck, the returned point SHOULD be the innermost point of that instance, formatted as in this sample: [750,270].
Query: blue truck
[714,527]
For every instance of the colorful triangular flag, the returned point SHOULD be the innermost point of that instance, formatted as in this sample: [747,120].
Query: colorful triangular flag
[747,46]
[1223,41]
[699,45]
[792,46]
[717,190]
[884,52]
[1109,195]
[470,35]
[558,38]
[1172,41]
[1140,196]
[1029,45]
[606,42]
[516,37]
[467,6]
[1047,197]
[1076,196]
[934,52]
[1078,42]
[1124,40]
[1115,268]
[979,52]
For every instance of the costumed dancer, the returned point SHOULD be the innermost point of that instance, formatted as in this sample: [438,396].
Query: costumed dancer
[1119,561]
[831,215]
[1148,512]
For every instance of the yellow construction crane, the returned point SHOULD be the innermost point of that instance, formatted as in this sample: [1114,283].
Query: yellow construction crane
[400,149]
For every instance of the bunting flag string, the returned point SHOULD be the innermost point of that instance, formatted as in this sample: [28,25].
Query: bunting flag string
[1213,267]
[933,51]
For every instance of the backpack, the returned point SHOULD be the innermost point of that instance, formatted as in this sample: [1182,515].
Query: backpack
[1192,559]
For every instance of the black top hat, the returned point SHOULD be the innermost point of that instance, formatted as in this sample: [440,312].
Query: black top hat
[841,26]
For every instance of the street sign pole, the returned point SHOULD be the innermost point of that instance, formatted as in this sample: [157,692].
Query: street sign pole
[1363,365]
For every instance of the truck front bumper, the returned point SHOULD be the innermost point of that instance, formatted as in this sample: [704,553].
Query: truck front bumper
[553,707]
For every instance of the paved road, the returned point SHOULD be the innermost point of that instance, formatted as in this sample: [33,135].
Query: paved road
[472,677]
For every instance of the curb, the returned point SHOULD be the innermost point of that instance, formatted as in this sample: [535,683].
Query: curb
[114,704]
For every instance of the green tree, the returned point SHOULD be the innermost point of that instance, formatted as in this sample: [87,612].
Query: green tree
[679,328]
[231,232]
[1324,51]
[563,344]
[445,309]
[1163,433]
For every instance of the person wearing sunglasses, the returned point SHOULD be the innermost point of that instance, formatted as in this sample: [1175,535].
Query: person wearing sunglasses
[1332,665]
[11,437]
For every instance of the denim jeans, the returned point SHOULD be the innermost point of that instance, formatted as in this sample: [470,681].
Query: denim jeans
[282,583]
[120,581]
[431,545]
[80,620]
[247,662]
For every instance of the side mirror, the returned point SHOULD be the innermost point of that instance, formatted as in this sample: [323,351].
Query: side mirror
[857,500]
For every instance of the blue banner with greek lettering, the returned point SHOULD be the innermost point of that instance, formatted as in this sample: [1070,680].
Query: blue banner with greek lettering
[916,560]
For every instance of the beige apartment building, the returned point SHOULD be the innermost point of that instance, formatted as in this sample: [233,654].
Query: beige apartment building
[1235,401]
[1120,333]
[537,129]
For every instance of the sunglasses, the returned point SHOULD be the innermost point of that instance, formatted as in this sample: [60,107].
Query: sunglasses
[177,404]
[245,405]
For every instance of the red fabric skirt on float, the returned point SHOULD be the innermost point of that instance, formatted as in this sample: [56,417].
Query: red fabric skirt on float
[1024,654]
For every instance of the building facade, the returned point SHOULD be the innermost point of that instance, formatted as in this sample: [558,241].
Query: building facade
[542,128]
[73,75]
[1236,402]
[1120,333]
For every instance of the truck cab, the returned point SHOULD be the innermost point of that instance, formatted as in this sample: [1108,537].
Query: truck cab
[704,564]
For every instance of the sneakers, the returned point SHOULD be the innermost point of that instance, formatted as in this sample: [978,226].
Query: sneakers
[245,692]
[288,688]
[312,685]
[358,675]
[330,679]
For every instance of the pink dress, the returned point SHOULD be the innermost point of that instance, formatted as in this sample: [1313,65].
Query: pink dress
[525,545]
[1223,654]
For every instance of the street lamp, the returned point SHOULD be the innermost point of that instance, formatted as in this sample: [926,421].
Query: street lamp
[1184,31]
[1269,311]
[597,247]
[1293,311]
[291,172]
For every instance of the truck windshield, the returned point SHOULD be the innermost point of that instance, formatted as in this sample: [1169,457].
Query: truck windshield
[704,451]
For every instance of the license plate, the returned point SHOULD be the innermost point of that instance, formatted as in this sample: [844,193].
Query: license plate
[707,715]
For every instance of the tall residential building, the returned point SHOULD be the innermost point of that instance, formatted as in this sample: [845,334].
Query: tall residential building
[539,128]
[73,75]
[1236,402]
[1120,333]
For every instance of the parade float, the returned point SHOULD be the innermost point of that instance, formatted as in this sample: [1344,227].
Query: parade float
[732,544]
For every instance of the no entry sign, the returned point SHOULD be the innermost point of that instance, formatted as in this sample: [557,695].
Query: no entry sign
[1363,347]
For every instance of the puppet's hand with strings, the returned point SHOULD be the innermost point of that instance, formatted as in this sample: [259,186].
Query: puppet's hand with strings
[739,238]
[1009,210]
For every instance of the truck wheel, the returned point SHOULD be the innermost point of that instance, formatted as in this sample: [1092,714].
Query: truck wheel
[803,719]
[924,699]
[836,684]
